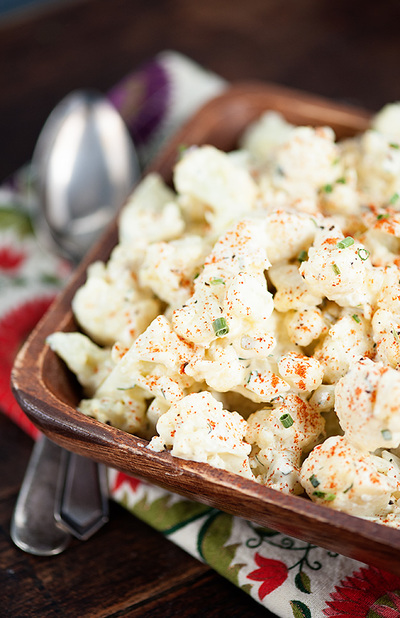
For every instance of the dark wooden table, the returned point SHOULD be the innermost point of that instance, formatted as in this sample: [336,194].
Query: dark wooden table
[344,50]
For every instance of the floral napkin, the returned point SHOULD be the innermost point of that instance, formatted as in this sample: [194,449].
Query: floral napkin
[287,576]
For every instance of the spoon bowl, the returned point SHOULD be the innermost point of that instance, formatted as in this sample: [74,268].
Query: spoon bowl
[84,167]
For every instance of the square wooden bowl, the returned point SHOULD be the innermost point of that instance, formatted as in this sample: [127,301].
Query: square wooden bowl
[48,393]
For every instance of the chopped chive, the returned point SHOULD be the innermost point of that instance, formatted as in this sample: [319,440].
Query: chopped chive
[356,318]
[386,434]
[328,188]
[346,242]
[348,488]
[303,256]
[251,375]
[314,221]
[217,281]
[394,145]
[394,198]
[342,181]
[258,461]
[322,494]
[220,327]
[313,480]
[335,269]
[286,420]
[381,216]
[363,254]
[196,275]
[395,335]
[330,497]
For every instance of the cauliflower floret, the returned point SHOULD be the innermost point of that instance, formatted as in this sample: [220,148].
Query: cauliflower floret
[337,475]
[125,410]
[379,168]
[302,372]
[199,429]
[292,291]
[367,402]
[221,368]
[387,121]
[302,165]
[278,436]
[111,310]
[155,362]
[263,136]
[237,260]
[150,214]
[287,233]
[388,296]
[306,159]
[262,382]
[341,197]
[226,189]
[90,363]
[348,340]
[305,325]
[386,329]
[338,268]
[169,268]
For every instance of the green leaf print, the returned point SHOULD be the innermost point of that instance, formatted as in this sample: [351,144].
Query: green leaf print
[300,610]
[211,544]
[17,219]
[302,582]
[168,517]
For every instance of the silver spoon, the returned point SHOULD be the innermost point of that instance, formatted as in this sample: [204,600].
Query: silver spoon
[84,166]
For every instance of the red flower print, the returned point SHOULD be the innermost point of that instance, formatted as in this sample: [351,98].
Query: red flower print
[11,259]
[15,326]
[368,591]
[271,572]
[122,478]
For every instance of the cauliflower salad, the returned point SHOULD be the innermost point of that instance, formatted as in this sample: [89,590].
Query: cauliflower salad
[249,317]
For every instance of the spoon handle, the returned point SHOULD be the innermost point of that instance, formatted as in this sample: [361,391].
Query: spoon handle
[33,527]
[81,505]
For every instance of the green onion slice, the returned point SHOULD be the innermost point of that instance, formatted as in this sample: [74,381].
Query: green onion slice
[220,327]
[303,255]
[313,480]
[356,318]
[286,420]
[346,242]
[217,281]
[335,269]
[363,254]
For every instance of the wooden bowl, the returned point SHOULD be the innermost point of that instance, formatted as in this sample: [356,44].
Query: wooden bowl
[48,393]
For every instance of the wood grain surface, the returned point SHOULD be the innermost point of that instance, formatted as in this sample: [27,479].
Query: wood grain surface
[346,51]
